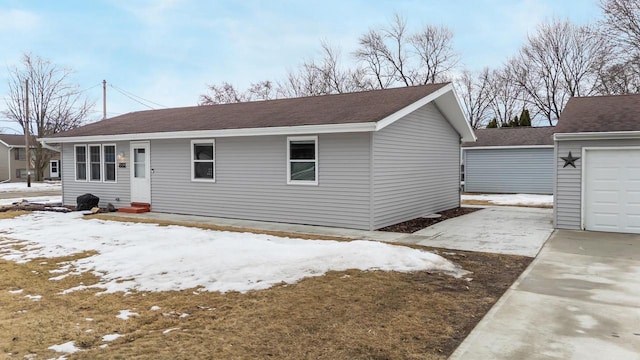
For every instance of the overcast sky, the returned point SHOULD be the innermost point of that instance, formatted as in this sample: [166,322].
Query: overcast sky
[167,51]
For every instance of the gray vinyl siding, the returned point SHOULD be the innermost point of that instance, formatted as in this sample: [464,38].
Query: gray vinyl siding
[4,163]
[416,167]
[524,170]
[251,181]
[108,192]
[568,192]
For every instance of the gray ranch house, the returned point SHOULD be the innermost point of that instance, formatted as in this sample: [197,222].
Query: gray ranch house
[597,152]
[359,160]
[509,160]
[13,159]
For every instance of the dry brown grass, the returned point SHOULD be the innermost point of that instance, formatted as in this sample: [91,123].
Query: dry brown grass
[342,315]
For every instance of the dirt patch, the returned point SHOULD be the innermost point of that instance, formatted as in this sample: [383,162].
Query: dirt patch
[342,315]
[414,225]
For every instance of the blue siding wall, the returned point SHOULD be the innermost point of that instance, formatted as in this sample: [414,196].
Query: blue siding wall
[526,170]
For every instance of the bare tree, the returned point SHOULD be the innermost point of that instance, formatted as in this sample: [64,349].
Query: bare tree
[222,94]
[622,20]
[508,97]
[621,24]
[559,61]
[434,47]
[622,77]
[55,104]
[477,95]
[392,56]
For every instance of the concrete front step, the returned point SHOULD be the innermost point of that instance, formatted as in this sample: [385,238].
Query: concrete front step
[136,208]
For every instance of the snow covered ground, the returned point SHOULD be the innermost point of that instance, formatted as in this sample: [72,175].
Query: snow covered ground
[22,187]
[512,199]
[45,200]
[154,258]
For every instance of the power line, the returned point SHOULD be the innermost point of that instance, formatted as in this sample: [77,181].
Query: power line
[135,97]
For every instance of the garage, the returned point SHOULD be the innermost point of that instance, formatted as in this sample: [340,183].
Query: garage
[597,164]
[612,190]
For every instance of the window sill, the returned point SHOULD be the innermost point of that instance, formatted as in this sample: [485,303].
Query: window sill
[302,182]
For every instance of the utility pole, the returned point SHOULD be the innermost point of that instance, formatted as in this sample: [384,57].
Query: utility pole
[26,132]
[104,99]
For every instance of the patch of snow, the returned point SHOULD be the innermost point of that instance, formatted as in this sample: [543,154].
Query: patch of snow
[512,199]
[35,186]
[34,297]
[104,346]
[126,314]
[148,257]
[111,337]
[170,330]
[39,200]
[88,319]
[155,308]
[68,347]
[19,291]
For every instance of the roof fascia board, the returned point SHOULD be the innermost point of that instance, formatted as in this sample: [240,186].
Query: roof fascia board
[5,144]
[498,147]
[281,130]
[458,121]
[611,135]
[412,107]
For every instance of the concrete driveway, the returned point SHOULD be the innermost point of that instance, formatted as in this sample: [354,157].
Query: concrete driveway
[579,299]
[501,229]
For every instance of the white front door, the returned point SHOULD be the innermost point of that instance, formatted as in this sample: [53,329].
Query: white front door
[612,190]
[54,169]
[140,172]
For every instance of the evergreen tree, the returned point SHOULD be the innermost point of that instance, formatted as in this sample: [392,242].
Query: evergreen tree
[493,124]
[525,119]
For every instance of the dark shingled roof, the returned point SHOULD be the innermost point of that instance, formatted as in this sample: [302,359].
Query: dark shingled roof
[600,114]
[12,140]
[360,107]
[518,136]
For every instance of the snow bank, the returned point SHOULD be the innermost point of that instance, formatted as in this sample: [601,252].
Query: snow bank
[512,199]
[149,257]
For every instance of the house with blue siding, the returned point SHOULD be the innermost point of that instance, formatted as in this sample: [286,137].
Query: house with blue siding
[509,160]
[361,160]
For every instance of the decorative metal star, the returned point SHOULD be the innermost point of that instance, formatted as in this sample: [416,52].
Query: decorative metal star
[569,160]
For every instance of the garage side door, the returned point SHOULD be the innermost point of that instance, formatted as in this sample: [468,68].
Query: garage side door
[612,190]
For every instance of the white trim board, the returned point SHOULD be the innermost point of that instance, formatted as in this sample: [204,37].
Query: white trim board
[507,147]
[611,135]
[283,130]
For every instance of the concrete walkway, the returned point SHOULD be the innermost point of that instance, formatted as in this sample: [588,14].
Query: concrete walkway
[499,229]
[579,299]
[506,230]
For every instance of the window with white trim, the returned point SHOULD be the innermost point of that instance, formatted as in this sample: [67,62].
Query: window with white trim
[203,160]
[94,163]
[302,160]
[109,159]
[81,162]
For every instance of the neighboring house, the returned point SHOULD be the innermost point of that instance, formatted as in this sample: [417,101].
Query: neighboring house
[13,160]
[509,160]
[360,160]
[597,161]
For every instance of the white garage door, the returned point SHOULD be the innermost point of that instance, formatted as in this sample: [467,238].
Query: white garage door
[612,190]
